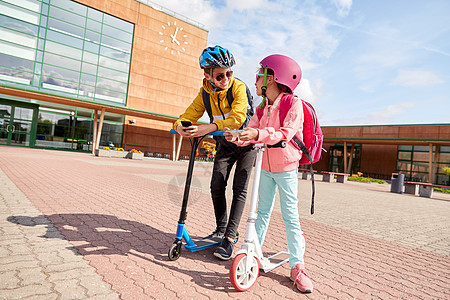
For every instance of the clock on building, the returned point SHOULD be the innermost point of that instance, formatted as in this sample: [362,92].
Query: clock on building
[173,38]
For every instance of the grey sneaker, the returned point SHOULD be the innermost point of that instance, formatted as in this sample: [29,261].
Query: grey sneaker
[214,235]
[225,250]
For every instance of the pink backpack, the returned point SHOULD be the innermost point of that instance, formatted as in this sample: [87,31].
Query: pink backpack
[309,141]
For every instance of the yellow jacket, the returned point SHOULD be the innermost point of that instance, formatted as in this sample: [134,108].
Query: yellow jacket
[224,115]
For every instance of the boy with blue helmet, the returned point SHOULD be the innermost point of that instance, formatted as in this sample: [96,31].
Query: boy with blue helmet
[229,105]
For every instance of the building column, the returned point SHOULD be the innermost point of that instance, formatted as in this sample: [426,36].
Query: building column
[94,131]
[345,157]
[430,164]
[99,130]
[350,159]
[179,147]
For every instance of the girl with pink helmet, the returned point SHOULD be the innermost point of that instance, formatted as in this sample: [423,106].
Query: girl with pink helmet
[277,78]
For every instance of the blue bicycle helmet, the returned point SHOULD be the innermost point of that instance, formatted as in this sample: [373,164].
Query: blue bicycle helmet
[216,57]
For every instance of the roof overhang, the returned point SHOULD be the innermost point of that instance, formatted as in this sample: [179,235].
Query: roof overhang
[85,104]
[387,141]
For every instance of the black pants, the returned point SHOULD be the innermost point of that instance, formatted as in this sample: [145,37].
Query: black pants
[226,156]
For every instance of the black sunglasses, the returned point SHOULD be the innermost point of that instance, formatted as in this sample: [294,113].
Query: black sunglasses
[221,76]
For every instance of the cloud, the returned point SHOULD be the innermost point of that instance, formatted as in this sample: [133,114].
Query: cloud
[416,78]
[200,11]
[309,92]
[388,114]
[343,7]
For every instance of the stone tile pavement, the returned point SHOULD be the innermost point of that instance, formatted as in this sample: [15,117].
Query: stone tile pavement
[75,226]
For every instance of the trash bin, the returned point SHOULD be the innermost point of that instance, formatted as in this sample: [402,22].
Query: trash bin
[397,182]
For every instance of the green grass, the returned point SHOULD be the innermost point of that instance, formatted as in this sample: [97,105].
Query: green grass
[366,179]
[440,190]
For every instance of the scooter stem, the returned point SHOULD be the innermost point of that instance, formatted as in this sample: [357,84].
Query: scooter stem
[257,174]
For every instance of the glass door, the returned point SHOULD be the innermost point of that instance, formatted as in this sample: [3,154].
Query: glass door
[5,123]
[17,124]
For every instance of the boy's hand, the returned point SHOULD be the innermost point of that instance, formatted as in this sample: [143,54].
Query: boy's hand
[185,131]
[196,131]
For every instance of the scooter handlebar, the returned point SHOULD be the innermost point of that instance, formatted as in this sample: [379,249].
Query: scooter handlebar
[214,133]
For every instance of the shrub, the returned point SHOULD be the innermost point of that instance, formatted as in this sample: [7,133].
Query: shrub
[366,179]
[446,171]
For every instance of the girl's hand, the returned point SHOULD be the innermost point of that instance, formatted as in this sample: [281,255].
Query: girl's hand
[249,134]
[228,136]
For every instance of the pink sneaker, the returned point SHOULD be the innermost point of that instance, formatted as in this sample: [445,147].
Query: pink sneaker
[301,279]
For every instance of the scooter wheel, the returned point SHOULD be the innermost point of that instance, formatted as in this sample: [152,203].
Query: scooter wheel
[174,252]
[242,278]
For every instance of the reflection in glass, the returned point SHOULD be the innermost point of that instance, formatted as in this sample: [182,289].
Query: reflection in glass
[71,38]
[92,36]
[62,61]
[93,25]
[15,76]
[20,13]
[22,127]
[18,25]
[64,50]
[109,95]
[55,73]
[89,68]
[113,53]
[64,39]
[72,6]
[114,64]
[112,74]
[16,63]
[117,33]
[66,16]
[90,57]
[111,85]
[23,113]
[87,79]
[404,155]
[17,50]
[65,27]
[95,14]
[118,23]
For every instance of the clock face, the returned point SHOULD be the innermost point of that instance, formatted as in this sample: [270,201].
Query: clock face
[173,38]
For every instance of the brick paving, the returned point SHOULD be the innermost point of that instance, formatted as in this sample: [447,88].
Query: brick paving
[75,226]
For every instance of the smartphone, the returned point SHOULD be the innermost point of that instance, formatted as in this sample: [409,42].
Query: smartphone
[235,132]
[186,123]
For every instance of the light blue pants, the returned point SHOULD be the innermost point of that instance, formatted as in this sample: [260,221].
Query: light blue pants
[287,183]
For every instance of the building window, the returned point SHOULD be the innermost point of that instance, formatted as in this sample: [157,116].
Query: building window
[65,48]
[413,161]
[57,128]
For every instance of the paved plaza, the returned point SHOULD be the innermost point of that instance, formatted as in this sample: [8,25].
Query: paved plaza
[76,226]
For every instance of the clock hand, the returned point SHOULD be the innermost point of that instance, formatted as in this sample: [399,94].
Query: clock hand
[174,36]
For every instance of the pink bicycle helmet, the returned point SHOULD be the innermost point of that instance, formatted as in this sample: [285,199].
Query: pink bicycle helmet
[286,70]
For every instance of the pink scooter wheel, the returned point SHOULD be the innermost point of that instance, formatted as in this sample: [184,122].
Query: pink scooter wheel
[242,278]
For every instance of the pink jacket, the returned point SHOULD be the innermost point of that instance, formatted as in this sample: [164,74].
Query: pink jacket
[271,132]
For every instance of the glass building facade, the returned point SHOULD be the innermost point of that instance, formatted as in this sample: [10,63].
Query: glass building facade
[63,48]
[413,161]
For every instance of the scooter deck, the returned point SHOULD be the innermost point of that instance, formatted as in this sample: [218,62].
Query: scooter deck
[276,260]
[204,244]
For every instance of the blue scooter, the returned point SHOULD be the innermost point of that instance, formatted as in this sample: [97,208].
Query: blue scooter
[182,234]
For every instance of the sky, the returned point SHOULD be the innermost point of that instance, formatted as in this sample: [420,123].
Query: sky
[382,62]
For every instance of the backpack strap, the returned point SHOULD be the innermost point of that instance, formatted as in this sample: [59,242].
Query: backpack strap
[207,103]
[285,105]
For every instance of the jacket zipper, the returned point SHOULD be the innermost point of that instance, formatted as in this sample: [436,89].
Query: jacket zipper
[267,149]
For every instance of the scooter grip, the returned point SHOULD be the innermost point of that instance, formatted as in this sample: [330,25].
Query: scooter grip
[214,133]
